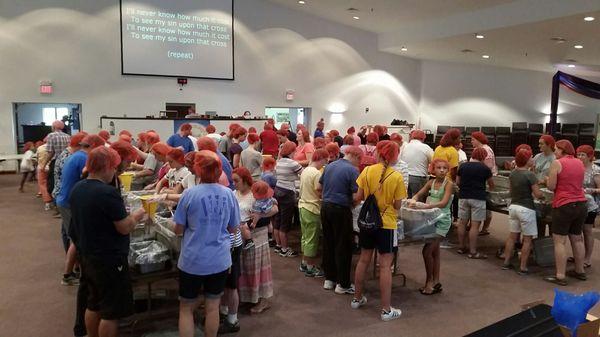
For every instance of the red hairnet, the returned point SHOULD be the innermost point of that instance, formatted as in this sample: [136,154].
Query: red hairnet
[125,132]
[320,154]
[252,138]
[125,137]
[523,147]
[77,138]
[418,134]
[396,137]
[588,150]
[268,126]
[161,149]
[372,138]
[142,136]
[549,140]
[333,149]
[251,129]
[388,150]
[354,151]
[101,159]
[27,146]
[211,128]
[177,155]
[125,150]
[261,190]
[522,157]
[104,134]
[93,141]
[566,146]
[480,136]
[233,126]
[379,130]
[244,174]
[268,163]
[206,143]
[189,160]
[186,127]
[450,138]
[207,166]
[349,140]
[351,130]
[437,161]
[479,154]
[287,148]
[319,142]
[152,138]
[238,132]
[334,133]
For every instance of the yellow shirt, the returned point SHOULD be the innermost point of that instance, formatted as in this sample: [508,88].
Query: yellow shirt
[448,153]
[393,189]
[309,182]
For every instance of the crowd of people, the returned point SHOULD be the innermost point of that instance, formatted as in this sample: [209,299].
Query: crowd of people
[237,195]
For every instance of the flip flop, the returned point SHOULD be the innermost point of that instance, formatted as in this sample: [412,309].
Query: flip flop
[484,233]
[462,251]
[587,265]
[555,280]
[579,276]
[477,256]
[433,291]
[437,286]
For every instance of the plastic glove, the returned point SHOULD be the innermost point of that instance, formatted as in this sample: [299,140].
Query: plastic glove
[159,197]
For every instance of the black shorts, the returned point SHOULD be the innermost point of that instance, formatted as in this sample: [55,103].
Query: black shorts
[212,285]
[591,217]
[236,268]
[568,219]
[286,202]
[109,286]
[382,240]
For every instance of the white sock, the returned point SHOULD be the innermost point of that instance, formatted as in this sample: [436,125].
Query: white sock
[232,318]
[310,266]
[223,309]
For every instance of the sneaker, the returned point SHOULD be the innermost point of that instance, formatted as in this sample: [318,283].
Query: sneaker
[69,280]
[387,316]
[47,206]
[522,272]
[355,304]
[303,268]
[248,244]
[227,327]
[288,253]
[328,285]
[344,291]
[507,266]
[314,272]
[277,249]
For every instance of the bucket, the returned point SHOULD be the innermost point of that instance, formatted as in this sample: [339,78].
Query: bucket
[126,179]
[149,206]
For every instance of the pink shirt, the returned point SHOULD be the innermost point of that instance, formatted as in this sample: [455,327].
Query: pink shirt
[490,159]
[301,151]
[356,140]
[569,183]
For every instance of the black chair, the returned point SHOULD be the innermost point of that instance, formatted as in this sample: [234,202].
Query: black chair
[503,143]
[586,129]
[441,129]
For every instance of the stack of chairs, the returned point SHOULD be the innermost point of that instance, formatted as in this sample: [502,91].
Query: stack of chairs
[570,132]
[441,130]
[519,135]
[535,132]
[587,135]
[503,144]
[490,133]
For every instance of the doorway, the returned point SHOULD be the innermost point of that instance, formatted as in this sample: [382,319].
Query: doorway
[33,121]
[291,115]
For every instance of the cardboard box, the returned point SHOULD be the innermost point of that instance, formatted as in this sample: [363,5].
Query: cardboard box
[588,329]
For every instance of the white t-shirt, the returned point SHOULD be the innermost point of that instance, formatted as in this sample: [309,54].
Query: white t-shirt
[245,202]
[27,162]
[176,176]
[188,181]
[215,136]
[462,156]
[417,156]
[402,168]
[194,140]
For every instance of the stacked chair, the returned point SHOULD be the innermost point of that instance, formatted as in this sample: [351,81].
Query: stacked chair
[570,132]
[519,135]
[503,144]
[586,134]
[535,132]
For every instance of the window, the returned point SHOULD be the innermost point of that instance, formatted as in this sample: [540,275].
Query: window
[50,114]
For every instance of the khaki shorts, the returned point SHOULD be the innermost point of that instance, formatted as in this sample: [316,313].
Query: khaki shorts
[471,209]
[522,220]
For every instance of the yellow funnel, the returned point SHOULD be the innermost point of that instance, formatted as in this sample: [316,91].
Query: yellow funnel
[126,179]
[149,206]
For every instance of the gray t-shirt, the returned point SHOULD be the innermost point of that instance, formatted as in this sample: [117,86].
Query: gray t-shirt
[520,188]
[151,163]
[252,160]
[542,165]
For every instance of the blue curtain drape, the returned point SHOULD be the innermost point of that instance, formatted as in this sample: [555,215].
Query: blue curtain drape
[577,84]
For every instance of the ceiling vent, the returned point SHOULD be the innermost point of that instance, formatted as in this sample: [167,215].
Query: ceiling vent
[352,9]
[466,51]
[558,40]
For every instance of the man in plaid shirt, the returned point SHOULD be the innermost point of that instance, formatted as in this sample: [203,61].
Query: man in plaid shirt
[56,142]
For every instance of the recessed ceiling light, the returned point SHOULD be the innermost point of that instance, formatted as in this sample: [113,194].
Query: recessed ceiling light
[355,17]
[571,66]
[589,18]
[479,36]
[404,49]
[302,2]
[578,46]
[485,56]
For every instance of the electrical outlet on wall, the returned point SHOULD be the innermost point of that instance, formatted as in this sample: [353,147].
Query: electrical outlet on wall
[366,110]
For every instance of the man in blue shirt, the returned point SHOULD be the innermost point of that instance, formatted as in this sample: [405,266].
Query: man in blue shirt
[338,185]
[206,214]
[182,139]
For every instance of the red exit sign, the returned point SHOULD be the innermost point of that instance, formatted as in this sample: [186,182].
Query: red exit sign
[46,89]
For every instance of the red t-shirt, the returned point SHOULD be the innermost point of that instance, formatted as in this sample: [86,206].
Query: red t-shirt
[270,142]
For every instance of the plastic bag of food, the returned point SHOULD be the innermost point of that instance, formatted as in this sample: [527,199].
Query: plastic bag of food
[570,310]
[419,222]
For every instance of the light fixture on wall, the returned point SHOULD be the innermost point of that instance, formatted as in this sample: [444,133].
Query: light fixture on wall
[356,17]
[589,18]
[403,49]
[485,56]
[337,107]
[301,2]
[479,36]
[578,46]
[571,66]
[336,118]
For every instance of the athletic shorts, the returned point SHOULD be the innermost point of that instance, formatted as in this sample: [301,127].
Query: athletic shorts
[109,286]
[235,270]
[310,223]
[472,209]
[212,285]
[591,217]
[522,220]
[384,240]
[568,219]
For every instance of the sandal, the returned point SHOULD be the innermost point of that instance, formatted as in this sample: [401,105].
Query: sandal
[571,260]
[587,265]
[437,286]
[477,256]
[462,251]
[484,233]
[558,281]
[507,266]
[433,291]
[579,276]
[522,272]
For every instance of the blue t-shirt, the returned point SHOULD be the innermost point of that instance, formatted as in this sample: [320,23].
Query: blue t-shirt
[339,182]
[269,178]
[206,211]
[226,167]
[185,142]
[319,133]
[71,174]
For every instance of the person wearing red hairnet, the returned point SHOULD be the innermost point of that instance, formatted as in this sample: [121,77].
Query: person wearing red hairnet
[471,179]
[543,160]
[171,182]
[417,156]
[27,166]
[250,158]
[269,141]
[235,150]
[226,141]
[447,150]
[352,132]
[206,215]
[479,140]
[591,186]
[152,165]
[182,138]
[309,206]
[73,147]
[569,210]
[305,148]
[521,212]
[100,230]
[211,132]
